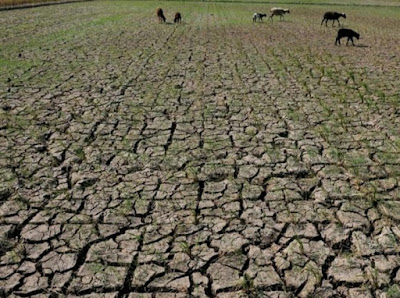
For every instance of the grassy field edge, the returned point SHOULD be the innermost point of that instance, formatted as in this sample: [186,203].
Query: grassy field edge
[20,4]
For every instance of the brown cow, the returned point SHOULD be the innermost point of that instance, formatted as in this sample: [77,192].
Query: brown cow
[160,15]
[178,17]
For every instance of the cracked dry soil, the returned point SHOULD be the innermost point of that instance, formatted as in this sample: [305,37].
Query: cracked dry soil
[214,158]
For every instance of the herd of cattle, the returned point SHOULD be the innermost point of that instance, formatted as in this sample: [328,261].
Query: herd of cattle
[162,19]
[328,16]
[277,11]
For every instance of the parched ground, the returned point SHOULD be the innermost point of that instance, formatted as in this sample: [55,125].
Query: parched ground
[217,158]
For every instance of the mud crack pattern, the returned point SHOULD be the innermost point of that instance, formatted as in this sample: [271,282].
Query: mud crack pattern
[217,158]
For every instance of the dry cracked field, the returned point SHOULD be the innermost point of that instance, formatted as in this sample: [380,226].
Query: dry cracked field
[217,158]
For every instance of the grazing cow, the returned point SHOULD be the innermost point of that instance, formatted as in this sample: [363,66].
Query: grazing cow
[277,11]
[178,17]
[258,16]
[160,15]
[346,33]
[334,16]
